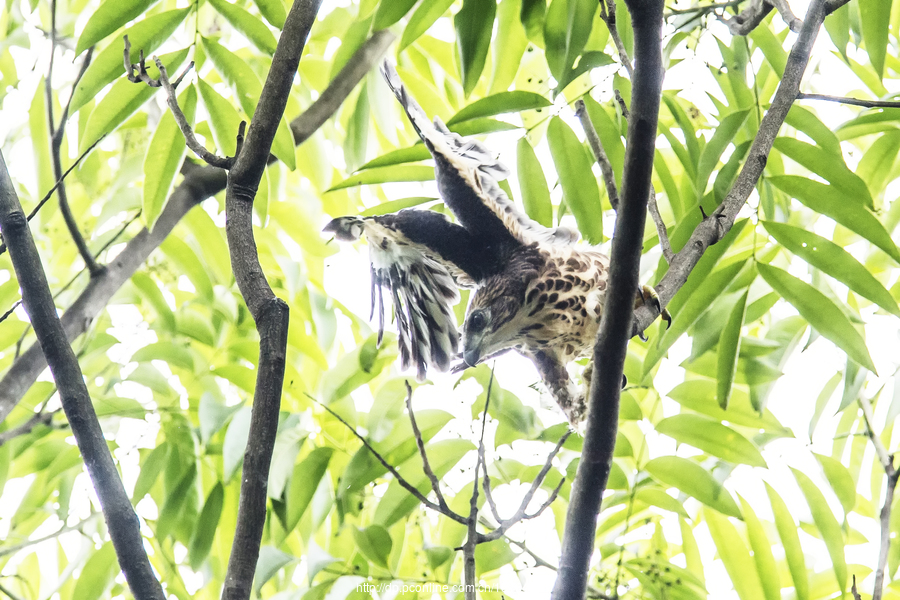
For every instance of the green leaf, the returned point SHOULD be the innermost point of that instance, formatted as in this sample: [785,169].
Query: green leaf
[393,206]
[39,128]
[822,401]
[248,24]
[108,17]
[272,11]
[205,531]
[734,555]
[790,540]
[535,193]
[723,136]
[397,157]
[498,104]
[153,295]
[712,437]
[386,175]
[820,312]
[833,260]
[693,480]
[146,35]
[357,138]
[123,99]
[224,119]
[97,574]
[762,553]
[164,155]
[271,560]
[875,18]
[877,164]
[247,86]
[695,306]
[304,481]
[422,18]
[771,48]
[700,395]
[803,119]
[171,510]
[173,353]
[391,11]
[493,555]
[509,45]
[580,190]
[829,166]
[374,542]
[187,261]
[567,27]
[827,525]
[838,26]
[586,62]
[474,23]
[729,350]
[841,481]
[235,442]
[150,470]
[832,203]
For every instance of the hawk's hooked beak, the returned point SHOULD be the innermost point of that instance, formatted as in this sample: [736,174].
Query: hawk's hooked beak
[471,356]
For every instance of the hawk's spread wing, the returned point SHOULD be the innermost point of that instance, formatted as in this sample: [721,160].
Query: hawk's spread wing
[421,258]
[467,174]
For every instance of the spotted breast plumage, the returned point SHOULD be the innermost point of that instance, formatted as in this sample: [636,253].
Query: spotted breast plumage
[536,291]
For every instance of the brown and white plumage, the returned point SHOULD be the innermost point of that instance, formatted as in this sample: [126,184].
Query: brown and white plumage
[536,291]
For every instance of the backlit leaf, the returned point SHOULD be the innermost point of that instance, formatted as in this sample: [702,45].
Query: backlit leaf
[535,193]
[729,350]
[498,104]
[693,480]
[712,437]
[474,23]
[734,555]
[108,17]
[827,525]
[580,190]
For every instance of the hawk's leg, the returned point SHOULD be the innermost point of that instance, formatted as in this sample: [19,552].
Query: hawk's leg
[567,395]
[648,295]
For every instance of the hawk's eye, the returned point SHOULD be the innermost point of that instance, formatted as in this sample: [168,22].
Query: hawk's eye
[477,321]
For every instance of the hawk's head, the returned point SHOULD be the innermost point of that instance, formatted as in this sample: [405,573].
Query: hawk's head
[492,323]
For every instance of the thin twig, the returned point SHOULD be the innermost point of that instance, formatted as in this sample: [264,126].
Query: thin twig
[608,14]
[9,312]
[6,592]
[704,8]
[7,550]
[748,19]
[852,101]
[609,177]
[400,479]
[472,537]
[426,466]
[784,9]
[85,63]
[621,102]
[854,591]
[892,474]
[56,185]
[486,485]
[40,418]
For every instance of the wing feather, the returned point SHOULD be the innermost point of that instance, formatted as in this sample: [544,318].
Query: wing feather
[467,174]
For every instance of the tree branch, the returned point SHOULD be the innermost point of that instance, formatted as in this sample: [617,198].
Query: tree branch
[122,522]
[39,418]
[609,178]
[269,312]
[852,101]
[749,18]
[608,14]
[472,537]
[420,443]
[615,327]
[7,550]
[714,227]
[199,183]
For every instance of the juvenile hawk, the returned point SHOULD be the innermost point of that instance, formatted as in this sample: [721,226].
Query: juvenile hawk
[536,291]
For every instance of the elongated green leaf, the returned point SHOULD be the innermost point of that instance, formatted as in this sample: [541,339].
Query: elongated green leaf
[152,294]
[790,540]
[146,35]
[123,100]
[374,542]
[831,202]
[734,556]
[164,155]
[833,260]
[474,23]
[762,553]
[567,27]
[535,193]
[397,157]
[838,26]
[580,190]
[390,12]
[841,481]
[828,165]
[729,350]
[224,119]
[700,395]
[712,437]
[720,140]
[205,532]
[171,509]
[248,24]
[422,18]
[822,401]
[108,17]
[396,205]
[272,11]
[498,104]
[688,314]
[357,138]
[150,470]
[803,119]
[875,18]
[771,48]
[877,163]
[39,128]
[387,174]
[827,525]
[98,573]
[820,312]
[509,45]
[303,484]
[693,480]
[247,86]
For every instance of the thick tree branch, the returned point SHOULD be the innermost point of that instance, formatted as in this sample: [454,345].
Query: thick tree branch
[199,183]
[714,227]
[123,524]
[269,312]
[615,327]
[749,18]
